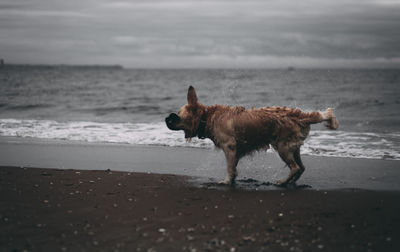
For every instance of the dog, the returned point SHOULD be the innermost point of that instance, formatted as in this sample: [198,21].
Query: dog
[239,131]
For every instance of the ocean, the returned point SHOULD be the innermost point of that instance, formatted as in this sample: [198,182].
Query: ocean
[128,106]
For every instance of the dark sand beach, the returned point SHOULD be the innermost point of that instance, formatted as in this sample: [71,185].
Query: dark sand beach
[122,198]
[77,210]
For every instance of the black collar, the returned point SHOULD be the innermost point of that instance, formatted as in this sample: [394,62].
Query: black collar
[201,131]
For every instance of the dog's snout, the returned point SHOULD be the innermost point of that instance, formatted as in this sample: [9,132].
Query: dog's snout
[172,120]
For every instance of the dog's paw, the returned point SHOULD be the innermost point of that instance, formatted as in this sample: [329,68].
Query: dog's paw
[281,183]
[227,181]
[224,182]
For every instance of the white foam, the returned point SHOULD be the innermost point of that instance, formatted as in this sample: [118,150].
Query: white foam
[353,144]
[319,143]
[127,133]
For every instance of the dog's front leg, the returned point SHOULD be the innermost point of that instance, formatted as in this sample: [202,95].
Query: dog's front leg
[231,163]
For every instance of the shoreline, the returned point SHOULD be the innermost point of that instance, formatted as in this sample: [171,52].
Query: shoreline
[206,166]
[95,210]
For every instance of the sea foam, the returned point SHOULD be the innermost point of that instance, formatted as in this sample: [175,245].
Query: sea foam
[319,143]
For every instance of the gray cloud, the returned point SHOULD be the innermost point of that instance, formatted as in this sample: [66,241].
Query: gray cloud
[202,33]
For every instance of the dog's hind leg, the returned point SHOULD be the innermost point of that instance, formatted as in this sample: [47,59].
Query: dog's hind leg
[231,163]
[297,158]
[287,156]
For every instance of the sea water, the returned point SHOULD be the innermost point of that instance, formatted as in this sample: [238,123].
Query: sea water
[128,106]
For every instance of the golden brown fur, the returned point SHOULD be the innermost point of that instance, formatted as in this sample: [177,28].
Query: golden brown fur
[239,131]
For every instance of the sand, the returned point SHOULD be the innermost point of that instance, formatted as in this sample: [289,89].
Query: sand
[81,210]
[123,198]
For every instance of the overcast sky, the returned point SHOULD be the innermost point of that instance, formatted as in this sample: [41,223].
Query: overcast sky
[215,33]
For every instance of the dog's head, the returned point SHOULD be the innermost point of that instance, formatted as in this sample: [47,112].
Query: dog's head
[188,117]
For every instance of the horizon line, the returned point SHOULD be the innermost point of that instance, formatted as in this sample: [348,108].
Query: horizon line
[120,66]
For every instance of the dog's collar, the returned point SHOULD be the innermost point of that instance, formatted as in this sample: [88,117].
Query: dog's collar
[201,131]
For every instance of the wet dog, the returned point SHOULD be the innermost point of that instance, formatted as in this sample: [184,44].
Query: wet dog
[239,131]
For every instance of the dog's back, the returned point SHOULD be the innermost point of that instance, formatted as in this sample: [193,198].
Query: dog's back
[256,129]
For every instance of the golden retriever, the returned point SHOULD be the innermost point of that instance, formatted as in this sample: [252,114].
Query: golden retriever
[239,131]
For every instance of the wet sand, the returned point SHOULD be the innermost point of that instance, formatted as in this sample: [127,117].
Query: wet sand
[322,173]
[100,210]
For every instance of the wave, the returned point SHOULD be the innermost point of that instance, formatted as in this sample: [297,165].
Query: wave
[319,143]
[27,106]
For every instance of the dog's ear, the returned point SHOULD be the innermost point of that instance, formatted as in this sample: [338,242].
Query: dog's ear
[191,96]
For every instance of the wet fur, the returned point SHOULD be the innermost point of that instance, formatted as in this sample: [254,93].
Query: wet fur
[239,131]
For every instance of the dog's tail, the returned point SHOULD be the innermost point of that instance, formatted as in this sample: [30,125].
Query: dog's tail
[326,116]
[330,119]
